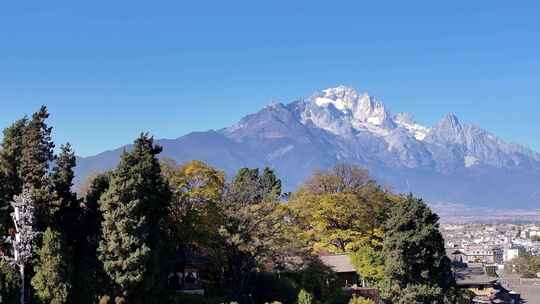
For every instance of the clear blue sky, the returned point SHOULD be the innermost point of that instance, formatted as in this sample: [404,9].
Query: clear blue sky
[110,69]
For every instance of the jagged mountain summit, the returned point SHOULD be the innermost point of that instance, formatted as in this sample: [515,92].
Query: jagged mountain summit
[451,162]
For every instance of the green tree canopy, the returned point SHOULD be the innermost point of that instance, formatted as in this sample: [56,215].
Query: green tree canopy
[304,297]
[249,186]
[340,210]
[53,270]
[37,150]
[252,232]
[134,209]
[194,213]
[64,207]
[413,250]
[10,175]
[95,186]
[368,263]
[10,281]
[90,281]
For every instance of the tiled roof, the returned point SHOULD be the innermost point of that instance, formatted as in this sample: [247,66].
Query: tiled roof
[340,263]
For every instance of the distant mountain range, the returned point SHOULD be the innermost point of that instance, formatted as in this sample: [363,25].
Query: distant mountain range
[451,162]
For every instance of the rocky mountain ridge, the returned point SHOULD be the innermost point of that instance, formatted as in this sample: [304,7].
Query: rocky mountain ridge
[451,162]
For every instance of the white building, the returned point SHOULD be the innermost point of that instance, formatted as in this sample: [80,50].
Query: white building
[478,254]
[512,253]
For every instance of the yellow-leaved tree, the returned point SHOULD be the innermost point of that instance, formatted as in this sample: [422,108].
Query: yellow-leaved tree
[340,210]
[194,217]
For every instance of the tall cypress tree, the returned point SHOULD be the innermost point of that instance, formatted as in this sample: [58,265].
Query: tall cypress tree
[52,281]
[246,186]
[249,186]
[25,157]
[37,154]
[62,176]
[90,281]
[131,247]
[63,216]
[37,150]
[64,207]
[27,152]
[10,178]
[270,185]
[52,196]
[415,259]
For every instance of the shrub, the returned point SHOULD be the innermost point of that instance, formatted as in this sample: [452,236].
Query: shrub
[9,283]
[338,297]
[304,297]
[368,263]
[316,278]
[267,287]
[360,300]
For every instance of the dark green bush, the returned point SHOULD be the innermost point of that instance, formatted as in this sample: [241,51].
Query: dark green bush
[338,297]
[317,279]
[267,287]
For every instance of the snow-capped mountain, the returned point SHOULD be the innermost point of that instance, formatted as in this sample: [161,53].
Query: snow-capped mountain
[450,162]
[406,120]
[342,110]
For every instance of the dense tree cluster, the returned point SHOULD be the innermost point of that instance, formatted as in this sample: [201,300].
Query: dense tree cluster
[121,237]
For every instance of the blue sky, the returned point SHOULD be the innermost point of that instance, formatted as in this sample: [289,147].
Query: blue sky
[111,69]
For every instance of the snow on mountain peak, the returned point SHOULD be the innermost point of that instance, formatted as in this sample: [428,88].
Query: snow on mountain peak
[371,110]
[360,112]
[341,97]
[406,120]
[360,109]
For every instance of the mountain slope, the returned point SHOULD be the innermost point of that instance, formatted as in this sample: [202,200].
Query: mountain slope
[450,162]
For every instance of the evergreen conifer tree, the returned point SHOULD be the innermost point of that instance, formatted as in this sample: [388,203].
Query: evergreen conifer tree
[37,150]
[65,217]
[27,152]
[64,209]
[250,187]
[414,255]
[270,184]
[53,270]
[62,176]
[10,283]
[134,206]
[90,281]
[36,157]
[10,178]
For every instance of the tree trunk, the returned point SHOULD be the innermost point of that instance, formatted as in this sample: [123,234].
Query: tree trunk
[23,285]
